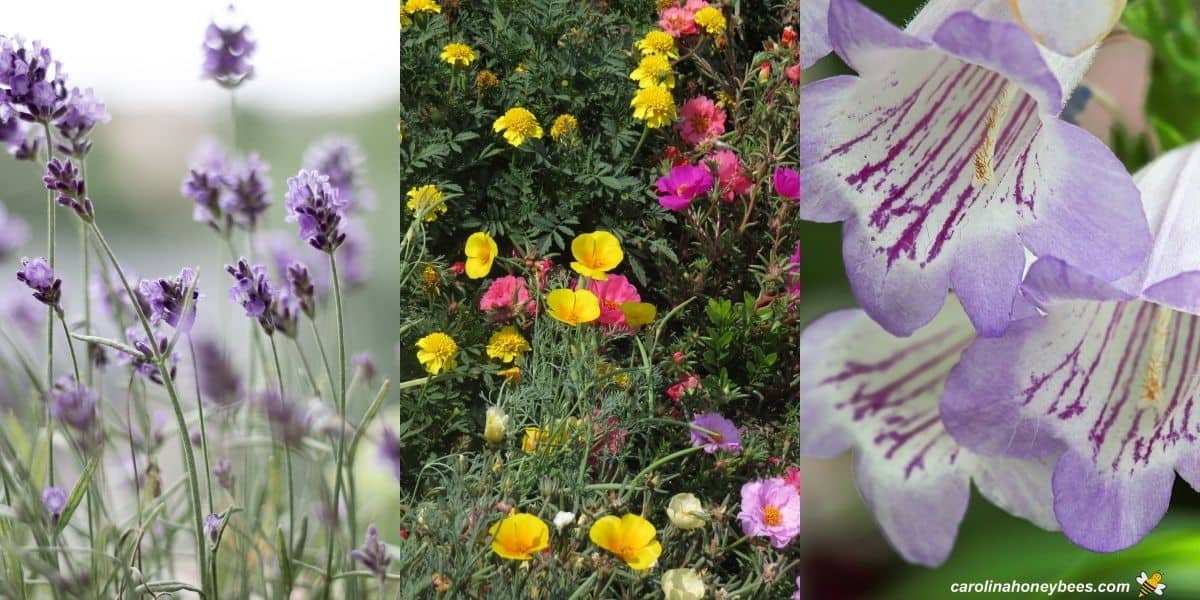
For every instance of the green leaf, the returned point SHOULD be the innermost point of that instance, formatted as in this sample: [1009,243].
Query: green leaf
[81,487]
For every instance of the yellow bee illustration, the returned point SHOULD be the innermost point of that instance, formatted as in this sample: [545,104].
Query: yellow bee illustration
[1151,585]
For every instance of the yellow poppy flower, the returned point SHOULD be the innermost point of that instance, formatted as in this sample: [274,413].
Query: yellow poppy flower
[481,251]
[518,124]
[573,307]
[630,537]
[653,69]
[659,42]
[519,536]
[495,426]
[639,313]
[507,345]
[535,438]
[654,105]
[436,352]
[596,254]
[457,55]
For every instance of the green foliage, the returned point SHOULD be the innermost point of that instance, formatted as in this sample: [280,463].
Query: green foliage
[1172,28]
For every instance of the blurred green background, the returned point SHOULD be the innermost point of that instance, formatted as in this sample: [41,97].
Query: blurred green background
[846,555]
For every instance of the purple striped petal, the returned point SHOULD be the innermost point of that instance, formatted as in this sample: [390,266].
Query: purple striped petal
[1115,383]
[866,389]
[945,161]
[814,31]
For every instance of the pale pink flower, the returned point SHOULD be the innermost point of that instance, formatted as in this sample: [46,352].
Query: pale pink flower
[685,384]
[507,294]
[702,120]
[613,292]
[678,22]
[732,176]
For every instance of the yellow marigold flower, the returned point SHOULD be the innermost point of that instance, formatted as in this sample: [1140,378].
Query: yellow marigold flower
[485,80]
[481,250]
[654,69]
[596,254]
[518,125]
[507,345]
[630,537]
[512,374]
[495,426]
[654,105]
[412,7]
[711,19]
[573,307]
[639,313]
[436,352]
[659,42]
[457,55]
[426,202]
[564,125]
[519,536]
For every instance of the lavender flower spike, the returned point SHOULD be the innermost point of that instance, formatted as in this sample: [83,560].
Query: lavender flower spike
[315,206]
[168,297]
[73,404]
[83,112]
[227,52]
[341,159]
[54,500]
[66,179]
[373,554]
[143,362]
[32,83]
[218,379]
[37,274]
[1107,376]
[946,162]
[246,191]
[252,290]
[867,390]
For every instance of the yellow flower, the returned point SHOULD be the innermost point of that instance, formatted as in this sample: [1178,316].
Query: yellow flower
[595,254]
[654,105]
[518,125]
[485,80]
[573,307]
[507,345]
[685,511]
[535,437]
[711,19]
[426,202]
[436,352]
[412,7]
[654,69]
[481,251]
[564,125]
[519,536]
[630,537]
[495,426]
[512,374]
[457,55]
[431,280]
[638,313]
[659,42]
[682,584]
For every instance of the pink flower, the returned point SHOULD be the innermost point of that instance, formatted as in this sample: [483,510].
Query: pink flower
[792,478]
[702,120]
[787,183]
[685,384]
[613,292]
[677,190]
[793,74]
[678,22]
[732,176]
[792,280]
[506,296]
[770,508]
[694,6]
[543,269]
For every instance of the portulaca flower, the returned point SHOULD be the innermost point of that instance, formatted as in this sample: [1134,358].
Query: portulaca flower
[947,162]
[1108,378]
[865,389]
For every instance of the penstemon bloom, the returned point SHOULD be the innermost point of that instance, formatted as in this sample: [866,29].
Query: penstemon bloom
[946,162]
[1103,380]
[867,390]
[814,31]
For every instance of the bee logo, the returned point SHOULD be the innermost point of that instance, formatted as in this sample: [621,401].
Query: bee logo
[1150,585]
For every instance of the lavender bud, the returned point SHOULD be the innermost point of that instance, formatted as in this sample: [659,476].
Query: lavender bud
[288,421]
[223,471]
[227,52]
[365,365]
[168,297]
[205,189]
[247,189]
[302,287]
[391,451]
[285,313]
[212,527]
[37,274]
[83,112]
[143,362]
[373,554]
[73,404]
[31,81]
[316,208]
[252,290]
[63,177]
[218,379]
[54,500]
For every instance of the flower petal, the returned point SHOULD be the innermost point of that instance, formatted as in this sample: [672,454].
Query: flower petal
[814,31]
[604,530]
[1068,27]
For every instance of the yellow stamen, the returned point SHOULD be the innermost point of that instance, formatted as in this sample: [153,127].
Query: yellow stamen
[1153,386]
[985,156]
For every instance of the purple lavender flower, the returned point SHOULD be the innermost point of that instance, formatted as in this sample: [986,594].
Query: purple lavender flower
[714,432]
[682,185]
[212,527]
[946,162]
[65,178]
[868,390]
[205,186]
[301,286]
[246,195]
[252,290]
[143,362]
[227,52]
[316,208]
[37,274]
[1101,380]
[223,472]
[83,112]
[218,379]
[73,404]
[364,364]
[54,500]
[168,297]
[31,81]
[13,233]
[391,452]
[341,159]
[289,421]
[285,312]
[373,554]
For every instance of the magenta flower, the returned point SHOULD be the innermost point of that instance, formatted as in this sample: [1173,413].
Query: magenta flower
[731,175]
[771,509]
[787,183]
[701,120]
[614,292]
[682,185]
[714,432]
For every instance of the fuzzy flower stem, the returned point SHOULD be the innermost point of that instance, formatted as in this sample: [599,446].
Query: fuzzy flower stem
[341,398]
[287,450]
[184,437]
[50,235]
[203,432]
[312,380]
[84,247]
